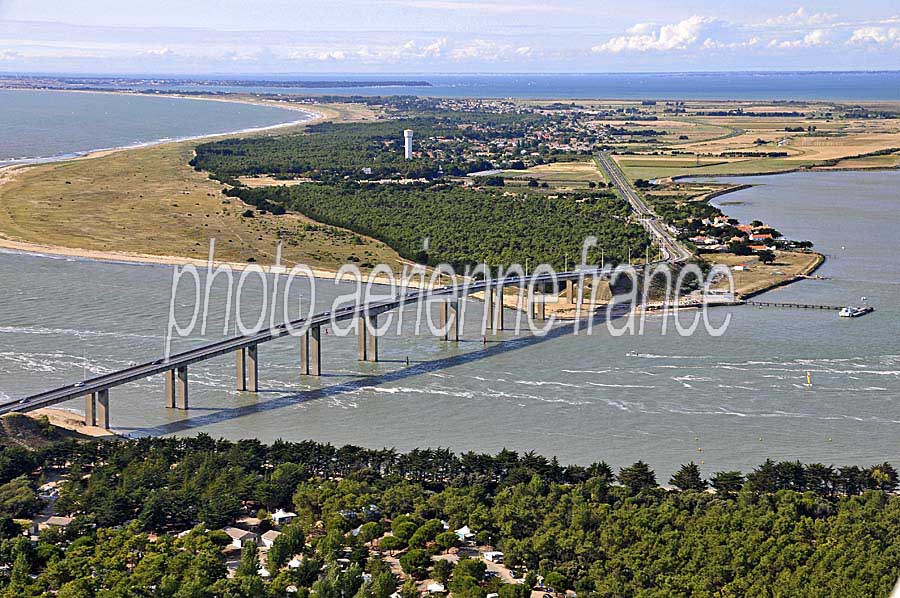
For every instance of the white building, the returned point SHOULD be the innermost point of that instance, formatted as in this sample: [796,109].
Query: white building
[281,517]
[269,537]
[407,138]
[239,537]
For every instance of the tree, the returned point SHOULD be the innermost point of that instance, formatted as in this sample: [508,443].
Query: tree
[285,546]
[727,482]
[688,478]
[249,561]
[883,477]
[370,531]
[637,478]
[442,570]
[220,510]
[447,540]
[766,256]
[556,580]
[415,562]
[391,544]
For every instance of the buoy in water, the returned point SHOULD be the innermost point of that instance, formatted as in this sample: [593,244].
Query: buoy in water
[808,379]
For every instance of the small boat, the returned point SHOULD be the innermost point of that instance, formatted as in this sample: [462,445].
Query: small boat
[855,312]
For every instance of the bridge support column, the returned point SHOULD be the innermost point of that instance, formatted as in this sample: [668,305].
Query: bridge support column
[103,409]
[304,354]
[489,309]
[314,338]
[361,334]
[170,389]
[90,409]
[570,292]
[498,313]
[182,386]
[240,358]
[372,350]
[253,368]
[449,320]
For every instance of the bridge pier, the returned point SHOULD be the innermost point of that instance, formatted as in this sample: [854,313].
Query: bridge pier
[103,409]
[240,357]
[489,308]
[361,332]
[96,409]
[449,320]
[498,312]
[253,368]
[538,307]
[311,352]
[372,350]
[170,389]
[181,401]
[90,409]
[570,292]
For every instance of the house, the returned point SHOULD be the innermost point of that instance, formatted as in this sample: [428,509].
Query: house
[239,537]
[269,537]
[281,517]
[464,533]
[493,556]
[436,588]
[760,248]
[39,525]
[760,236]
[740,268]
[745,228]
[249,523]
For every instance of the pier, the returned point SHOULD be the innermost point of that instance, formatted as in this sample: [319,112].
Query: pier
[794,305]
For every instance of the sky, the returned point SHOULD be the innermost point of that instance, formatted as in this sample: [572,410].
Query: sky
[228,37]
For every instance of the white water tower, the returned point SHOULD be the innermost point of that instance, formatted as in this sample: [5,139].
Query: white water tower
[407,138]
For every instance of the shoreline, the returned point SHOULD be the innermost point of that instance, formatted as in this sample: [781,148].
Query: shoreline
[311,117]
[13,246]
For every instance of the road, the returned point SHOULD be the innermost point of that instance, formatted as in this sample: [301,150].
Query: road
[672,249]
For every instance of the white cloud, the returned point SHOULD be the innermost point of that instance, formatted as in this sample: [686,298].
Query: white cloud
[9,55]
[815,38]
[711,44]
[159,52]
[876,36]
[800,17]
[646,37]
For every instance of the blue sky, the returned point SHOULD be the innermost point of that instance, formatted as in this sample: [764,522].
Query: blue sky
[397,36]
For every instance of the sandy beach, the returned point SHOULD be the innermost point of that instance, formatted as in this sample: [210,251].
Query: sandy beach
[69,420]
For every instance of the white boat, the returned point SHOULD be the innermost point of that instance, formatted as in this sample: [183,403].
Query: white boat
[855,312]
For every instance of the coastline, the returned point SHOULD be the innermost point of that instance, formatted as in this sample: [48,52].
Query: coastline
[311,117]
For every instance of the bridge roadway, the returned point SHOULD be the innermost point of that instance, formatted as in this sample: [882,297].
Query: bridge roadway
[673,251]
[100,385]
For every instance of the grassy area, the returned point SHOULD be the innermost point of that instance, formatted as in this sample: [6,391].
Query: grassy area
[758,276]
[559,175]
[749,166]
[150,201]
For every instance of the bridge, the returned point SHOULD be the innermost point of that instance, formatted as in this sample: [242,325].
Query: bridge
[96,391]
[246,347]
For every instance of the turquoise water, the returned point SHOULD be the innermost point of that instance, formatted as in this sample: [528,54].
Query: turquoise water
[730,401]
[46,124]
